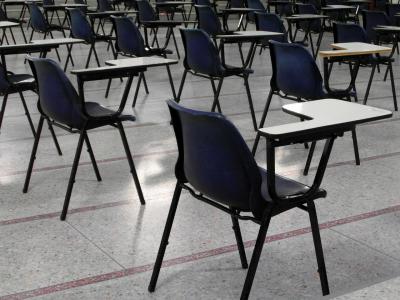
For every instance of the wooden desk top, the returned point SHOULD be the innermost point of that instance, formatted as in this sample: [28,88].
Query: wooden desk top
[7,24]
[324,116]
[58,41]
[250,34]
[64,5]
[110,13]
[305,17]
[354,49]
[338,7]
[238,10]
[26,48]
[384,28]
[147,61]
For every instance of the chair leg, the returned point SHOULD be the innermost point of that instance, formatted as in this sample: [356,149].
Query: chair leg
[178,98]
[33,155]
[12,36]
[3,108]
[92,158]
[253,115]
[216,95]
[369,83]
[263,118]
[53,135]
[146,88]
[30,38]
[175,43]
[58,54]
[215,91]
[355,145]
[108,87]
[390,67]
[262,233]
[318,248]
[130,161]
[165,237]
[96,57]
[239,242]
[72,175]
[137,89]
[28,115]
[89,56]
[309,158]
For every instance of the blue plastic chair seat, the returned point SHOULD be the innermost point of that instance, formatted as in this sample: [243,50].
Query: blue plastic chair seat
[102,116]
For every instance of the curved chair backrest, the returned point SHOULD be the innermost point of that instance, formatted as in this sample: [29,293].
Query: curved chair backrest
[146,11]
[58,98]
[48,2]
[4,84]
[3,15]
[380,4]
[236,3]
[256,4]
[129,40]
[294,71]
[104,5]
[208,19]
[80,26]
[347,33]
[271,22]
[83,8]
[214,158]
[371,19]
[315,26]
[392,10]
[201,56]
[38,20]
[202,2]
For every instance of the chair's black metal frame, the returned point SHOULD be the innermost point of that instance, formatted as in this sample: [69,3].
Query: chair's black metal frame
[217,89]
[83,136]
[15,89]
[278,205]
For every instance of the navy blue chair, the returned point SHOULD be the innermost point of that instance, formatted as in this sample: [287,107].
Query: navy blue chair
[344,33]
[65,108]
[48,7]
[40,24]
[202,59]
[208,21]
[392,10]
[314,26]
[104,5]
[295,76]
[256,4]
[129,42]
[82,29]
[4,17]
[372,19]
[270,22]
[232,182]
[149,19]
[11,83]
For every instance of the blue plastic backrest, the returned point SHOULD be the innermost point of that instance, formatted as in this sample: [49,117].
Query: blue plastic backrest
[208,20]
[308,8]
[392,10]
[371,19]
[57,97]
[294,71]
[256,4]
[48,2]
[236,3]
[271,22]
[201,56]
[146,11]
[4,84]
[214,158]
[347,33]
[104,5]
[38,20]
[128,37]
[3,16]
[80,26]
[202,2]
